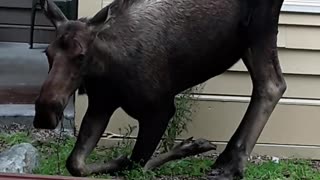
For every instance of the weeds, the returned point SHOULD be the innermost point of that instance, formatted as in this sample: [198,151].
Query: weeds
[50,163]
[178,124]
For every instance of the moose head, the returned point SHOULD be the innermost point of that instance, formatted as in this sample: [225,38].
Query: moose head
[68,61]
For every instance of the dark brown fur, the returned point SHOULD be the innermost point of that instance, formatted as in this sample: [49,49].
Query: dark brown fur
[139,54]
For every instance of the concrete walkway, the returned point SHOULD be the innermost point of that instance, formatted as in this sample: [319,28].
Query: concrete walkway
[21,66]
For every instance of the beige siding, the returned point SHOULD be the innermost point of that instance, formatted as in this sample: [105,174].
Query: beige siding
[106,2]
[293,129]
[239,83]
[88,8]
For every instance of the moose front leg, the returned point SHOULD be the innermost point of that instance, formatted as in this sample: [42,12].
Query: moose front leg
[92,127]
[151,129]
[269,85]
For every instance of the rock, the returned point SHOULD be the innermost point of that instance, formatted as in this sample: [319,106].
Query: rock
[21,158]
[275,160]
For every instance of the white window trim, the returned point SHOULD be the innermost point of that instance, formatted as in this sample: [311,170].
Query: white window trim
[301,6]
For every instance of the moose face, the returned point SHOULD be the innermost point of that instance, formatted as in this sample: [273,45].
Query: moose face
[66,59]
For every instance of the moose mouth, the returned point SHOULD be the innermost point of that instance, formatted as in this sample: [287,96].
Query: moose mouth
[49,121]
[46,117]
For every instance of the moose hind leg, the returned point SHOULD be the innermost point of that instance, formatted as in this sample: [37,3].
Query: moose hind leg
[269,85]
[151,130]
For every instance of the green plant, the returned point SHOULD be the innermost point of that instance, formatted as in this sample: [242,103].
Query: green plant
[193,167]
[138,173]
[286,169]
[53,162]
[126,140]
[184,103]
[8,140]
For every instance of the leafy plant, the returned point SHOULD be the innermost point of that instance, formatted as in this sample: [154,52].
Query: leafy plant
[53,162]
[178,124]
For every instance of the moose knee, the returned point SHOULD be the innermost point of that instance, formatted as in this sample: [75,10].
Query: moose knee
[76,167]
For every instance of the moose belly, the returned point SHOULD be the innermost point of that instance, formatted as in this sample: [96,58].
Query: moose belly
[195,67]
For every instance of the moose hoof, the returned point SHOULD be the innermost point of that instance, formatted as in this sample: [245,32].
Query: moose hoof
[229,165]
[224,174]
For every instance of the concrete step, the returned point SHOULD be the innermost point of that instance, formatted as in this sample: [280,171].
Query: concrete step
[22,72]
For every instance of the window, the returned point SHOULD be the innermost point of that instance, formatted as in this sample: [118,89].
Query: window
[302,6]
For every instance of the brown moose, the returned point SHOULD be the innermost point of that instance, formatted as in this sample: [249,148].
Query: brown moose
[139,54]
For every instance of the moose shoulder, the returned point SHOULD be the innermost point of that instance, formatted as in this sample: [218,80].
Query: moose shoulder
[139,54]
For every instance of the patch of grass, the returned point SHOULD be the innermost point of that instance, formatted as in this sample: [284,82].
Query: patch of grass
[193,167]
[52,162]
[9,140]
[14,139]
[139,174]
[286,169]
[189,167]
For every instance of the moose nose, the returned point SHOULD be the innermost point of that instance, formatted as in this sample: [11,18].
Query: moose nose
[40,122]
[47,114]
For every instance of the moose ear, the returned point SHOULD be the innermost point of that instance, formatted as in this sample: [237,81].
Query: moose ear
[100,17]
[53,12]
[108,11]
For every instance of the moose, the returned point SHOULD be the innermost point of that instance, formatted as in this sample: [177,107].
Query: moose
[140,54]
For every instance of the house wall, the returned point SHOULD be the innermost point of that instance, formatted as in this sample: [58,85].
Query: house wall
[292,130]
[15,21]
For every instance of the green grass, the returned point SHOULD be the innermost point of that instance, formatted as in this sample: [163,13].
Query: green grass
[17,138]
[189,167]
[286,169]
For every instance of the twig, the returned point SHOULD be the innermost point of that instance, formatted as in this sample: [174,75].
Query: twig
[58,147]
[186,148]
